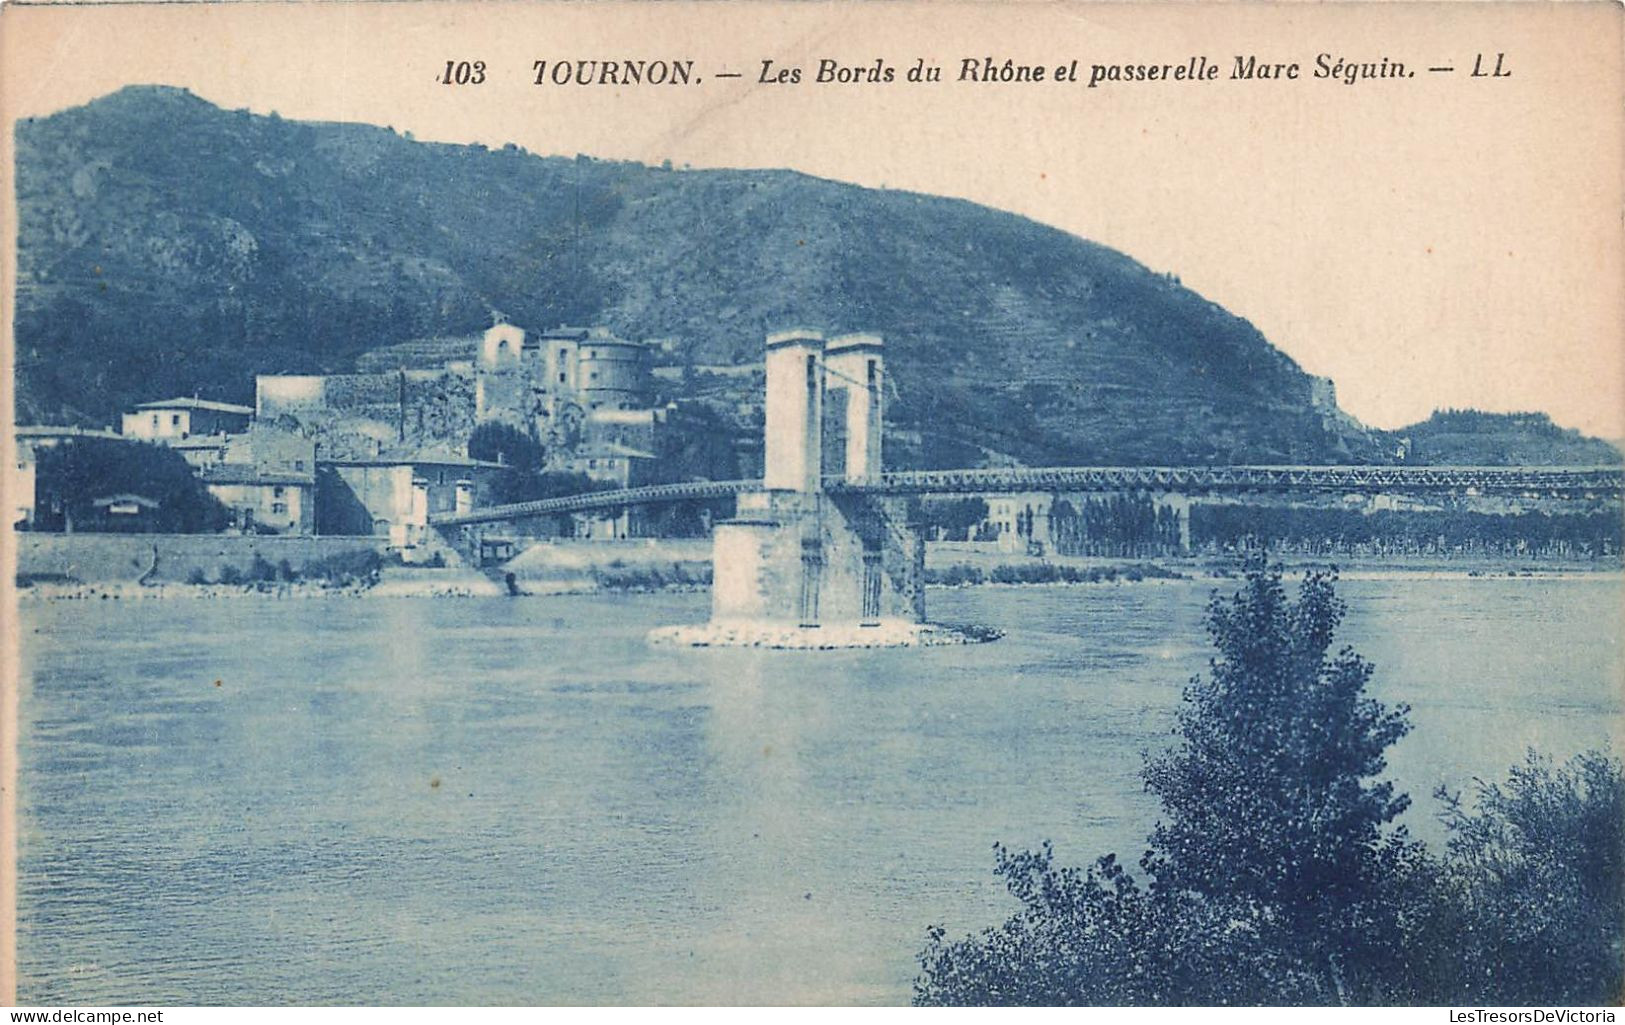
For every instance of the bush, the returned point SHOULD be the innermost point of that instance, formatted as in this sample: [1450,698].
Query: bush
[1539,865]
[956,575]
[360,565]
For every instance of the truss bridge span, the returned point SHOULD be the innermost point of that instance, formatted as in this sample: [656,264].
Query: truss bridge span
[1533,482]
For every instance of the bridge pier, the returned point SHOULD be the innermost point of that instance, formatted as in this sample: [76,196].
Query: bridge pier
[839,569]
[811,560]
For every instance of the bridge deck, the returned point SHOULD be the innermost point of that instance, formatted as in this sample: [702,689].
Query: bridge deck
[1565,482]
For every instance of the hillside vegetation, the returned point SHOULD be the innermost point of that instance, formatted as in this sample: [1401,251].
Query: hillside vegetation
[168,247]
[1469,437]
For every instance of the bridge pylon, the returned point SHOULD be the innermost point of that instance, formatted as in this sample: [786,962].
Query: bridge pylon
[795,555]
[793,449]
[854,367]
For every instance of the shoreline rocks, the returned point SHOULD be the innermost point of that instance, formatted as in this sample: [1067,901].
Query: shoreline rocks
[825,637]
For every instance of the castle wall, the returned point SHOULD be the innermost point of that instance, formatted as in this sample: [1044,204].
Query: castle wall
[438,403]
[503,394]
[276,394]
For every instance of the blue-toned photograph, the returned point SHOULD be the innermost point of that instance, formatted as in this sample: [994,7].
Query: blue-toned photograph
[767,504]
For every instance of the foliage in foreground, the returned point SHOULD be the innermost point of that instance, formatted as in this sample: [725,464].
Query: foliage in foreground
[1276,874]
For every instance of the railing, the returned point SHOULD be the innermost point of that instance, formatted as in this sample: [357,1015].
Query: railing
[1484,480]
[1471,480]
[652,495]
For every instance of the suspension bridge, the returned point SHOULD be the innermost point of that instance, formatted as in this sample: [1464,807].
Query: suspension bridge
[833,549]
[1499,481]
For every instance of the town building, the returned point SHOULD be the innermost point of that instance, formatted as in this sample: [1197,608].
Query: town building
[622,467]
[265,475]
[392,494]
[557,382]
[176,419]
[202,450]
[263,500]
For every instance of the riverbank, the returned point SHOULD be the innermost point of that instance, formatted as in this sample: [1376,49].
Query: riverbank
[145,567]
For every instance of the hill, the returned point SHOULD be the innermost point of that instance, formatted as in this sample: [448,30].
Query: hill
[1467,437]
[167,246]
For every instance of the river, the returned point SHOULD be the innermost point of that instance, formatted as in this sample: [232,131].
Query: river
[519,801]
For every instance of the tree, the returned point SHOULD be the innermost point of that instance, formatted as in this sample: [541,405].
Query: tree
[1540,864]
[72,475]
[1276,874]
[1273,874]
[497,442]
[956,517]
[1269,795]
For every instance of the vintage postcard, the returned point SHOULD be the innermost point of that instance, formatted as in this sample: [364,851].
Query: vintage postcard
[837,503]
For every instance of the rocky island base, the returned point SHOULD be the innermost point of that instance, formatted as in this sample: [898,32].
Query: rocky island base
[892,633]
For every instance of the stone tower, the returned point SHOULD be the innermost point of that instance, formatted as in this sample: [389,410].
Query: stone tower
[853,365]
[796,555]
[795,409]
[500,388]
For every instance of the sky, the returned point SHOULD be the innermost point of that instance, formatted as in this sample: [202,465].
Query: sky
[1430,241]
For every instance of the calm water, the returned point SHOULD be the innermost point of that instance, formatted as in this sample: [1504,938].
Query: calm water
[518,801]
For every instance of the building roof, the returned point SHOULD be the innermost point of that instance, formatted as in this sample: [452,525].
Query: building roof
[597,335]
[202,404]
[564,333]
[420,457]
[125,499]
[25,431]
[247,473]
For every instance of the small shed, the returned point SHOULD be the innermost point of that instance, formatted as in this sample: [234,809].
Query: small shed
[124,512]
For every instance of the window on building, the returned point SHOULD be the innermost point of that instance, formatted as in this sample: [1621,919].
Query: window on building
[155,421]
[592,376]
[280,508]
[561,378]
[174,419]
[278,491]
[299,464]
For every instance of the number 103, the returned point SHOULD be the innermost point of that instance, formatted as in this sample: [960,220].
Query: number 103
[463,73]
